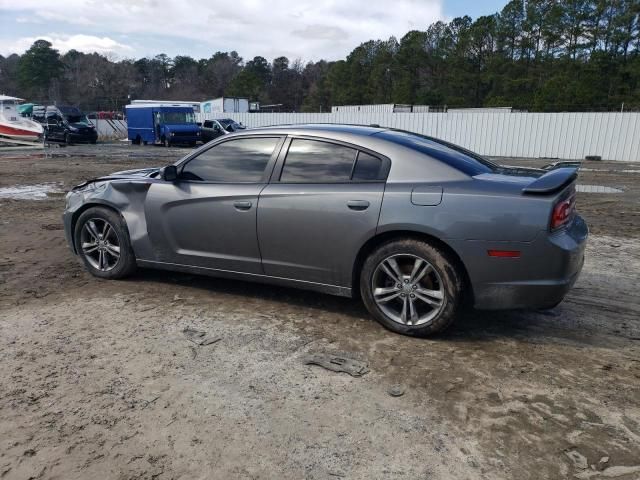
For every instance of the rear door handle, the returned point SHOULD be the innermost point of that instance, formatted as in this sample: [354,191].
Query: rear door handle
[242,205]
[358,204]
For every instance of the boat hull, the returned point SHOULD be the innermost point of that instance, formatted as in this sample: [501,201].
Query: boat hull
[18,133]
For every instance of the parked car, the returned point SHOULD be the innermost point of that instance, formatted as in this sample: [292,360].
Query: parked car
[162,123]
[65,124]
[415,226]
[211,129]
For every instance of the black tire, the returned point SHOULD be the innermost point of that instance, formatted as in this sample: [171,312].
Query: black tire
[444,276]
[165,142]
[136,141]
[93,142]
[125,265]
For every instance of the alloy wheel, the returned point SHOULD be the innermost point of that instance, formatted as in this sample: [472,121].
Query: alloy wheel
[100,244]
[407,289]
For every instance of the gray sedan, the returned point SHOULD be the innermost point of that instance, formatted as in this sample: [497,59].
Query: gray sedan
[414,226]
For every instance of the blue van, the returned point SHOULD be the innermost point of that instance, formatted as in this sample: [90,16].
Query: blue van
[161,123]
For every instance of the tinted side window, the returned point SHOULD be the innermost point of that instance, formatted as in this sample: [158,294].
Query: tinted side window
[367,167]
[242,160]
[312,161]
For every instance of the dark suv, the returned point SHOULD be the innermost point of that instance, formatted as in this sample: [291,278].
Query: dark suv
[65,124]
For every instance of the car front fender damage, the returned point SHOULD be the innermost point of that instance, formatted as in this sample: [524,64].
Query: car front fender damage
[126,197]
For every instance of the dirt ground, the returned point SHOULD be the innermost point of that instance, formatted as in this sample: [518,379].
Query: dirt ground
[99,381]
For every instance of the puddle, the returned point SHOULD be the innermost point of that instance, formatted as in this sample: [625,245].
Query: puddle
[597,189]
[31,192]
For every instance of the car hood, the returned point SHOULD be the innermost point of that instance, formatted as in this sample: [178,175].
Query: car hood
[123,175]
[81,126]
[140,172]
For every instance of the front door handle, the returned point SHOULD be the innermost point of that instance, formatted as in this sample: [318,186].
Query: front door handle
[242,205]
[358,204]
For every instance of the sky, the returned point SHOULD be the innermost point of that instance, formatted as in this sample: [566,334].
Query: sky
[305,29]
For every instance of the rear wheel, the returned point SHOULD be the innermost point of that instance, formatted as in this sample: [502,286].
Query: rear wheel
[102,240]
[411,287]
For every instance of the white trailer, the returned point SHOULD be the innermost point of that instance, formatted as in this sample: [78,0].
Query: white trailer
[175,103]
[225,105]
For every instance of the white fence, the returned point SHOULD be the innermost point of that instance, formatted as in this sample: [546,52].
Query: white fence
[613,136]
[109,129]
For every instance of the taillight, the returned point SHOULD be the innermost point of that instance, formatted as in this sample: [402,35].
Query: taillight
[563,212]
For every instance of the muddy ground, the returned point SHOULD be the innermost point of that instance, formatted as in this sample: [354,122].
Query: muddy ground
[99,381]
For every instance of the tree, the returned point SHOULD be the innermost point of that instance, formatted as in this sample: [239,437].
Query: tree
[541,55]
[39,68]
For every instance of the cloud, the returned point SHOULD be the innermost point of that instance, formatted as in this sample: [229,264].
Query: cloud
[64,43]
[307,29]
[320,32]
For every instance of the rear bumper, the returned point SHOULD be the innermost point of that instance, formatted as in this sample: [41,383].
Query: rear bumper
[532,294]
[547,269]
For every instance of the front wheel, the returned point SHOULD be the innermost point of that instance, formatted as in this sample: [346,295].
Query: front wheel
[102,240]
[411,287]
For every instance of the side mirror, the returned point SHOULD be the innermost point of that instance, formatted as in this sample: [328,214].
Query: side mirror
[170,173]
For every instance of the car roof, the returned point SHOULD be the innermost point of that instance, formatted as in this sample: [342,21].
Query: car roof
[322,129]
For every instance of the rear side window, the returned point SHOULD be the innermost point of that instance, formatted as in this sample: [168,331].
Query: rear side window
[367,168]
[311,161]
[235,161]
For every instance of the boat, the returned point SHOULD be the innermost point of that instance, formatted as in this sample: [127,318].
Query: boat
[13,126]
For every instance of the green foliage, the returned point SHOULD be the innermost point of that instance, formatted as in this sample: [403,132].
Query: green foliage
[540,55]
[39,67]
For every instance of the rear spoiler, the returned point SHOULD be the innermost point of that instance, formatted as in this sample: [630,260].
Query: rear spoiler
[552,181]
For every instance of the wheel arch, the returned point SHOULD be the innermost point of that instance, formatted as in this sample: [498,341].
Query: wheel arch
[401,234]
[85,207]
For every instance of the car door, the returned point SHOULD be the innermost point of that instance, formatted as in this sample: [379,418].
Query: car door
[322,204]
[54,127]
[207,217]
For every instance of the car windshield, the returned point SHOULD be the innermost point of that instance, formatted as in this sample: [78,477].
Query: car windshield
[177,118]
[73,115]
[77,119]
[460,158]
